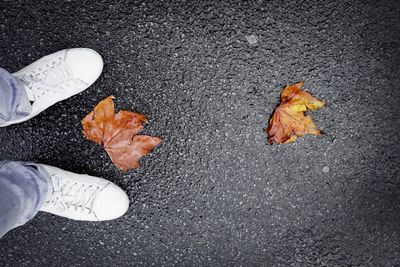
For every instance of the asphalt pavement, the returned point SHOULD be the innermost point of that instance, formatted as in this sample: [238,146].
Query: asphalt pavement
[208,75]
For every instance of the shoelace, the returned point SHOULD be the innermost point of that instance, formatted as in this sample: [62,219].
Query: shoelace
[52,76]
[66,194]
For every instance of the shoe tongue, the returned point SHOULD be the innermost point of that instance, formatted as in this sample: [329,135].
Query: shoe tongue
[28,90]
[30,95]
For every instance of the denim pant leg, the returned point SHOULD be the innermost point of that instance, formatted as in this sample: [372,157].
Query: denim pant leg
[14,102]
[23,189]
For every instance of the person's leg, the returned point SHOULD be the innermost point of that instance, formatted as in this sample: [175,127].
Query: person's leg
[14,102]
[46,81]
[26,188]
[23,189]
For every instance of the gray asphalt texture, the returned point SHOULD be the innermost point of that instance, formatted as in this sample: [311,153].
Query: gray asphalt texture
[208,75]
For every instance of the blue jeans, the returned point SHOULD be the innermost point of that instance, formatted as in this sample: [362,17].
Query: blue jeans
[23,189]
[14,102]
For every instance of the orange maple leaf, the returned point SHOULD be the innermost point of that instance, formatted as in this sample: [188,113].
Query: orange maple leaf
[116,132]
[289,120]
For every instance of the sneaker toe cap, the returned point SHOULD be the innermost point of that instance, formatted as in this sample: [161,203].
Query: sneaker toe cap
[111,203]
[86,64]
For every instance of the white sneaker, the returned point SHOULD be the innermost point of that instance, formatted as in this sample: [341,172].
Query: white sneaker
[83,197]
[58,76]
